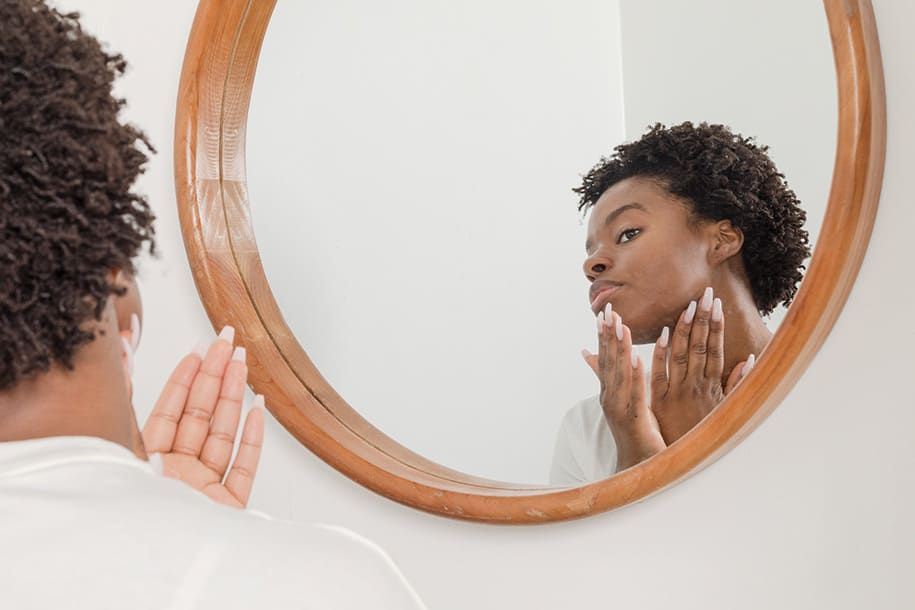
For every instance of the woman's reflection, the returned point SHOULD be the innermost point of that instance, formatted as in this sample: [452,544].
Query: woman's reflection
[693,236]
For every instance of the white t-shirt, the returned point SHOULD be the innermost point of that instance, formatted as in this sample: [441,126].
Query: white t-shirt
[585,450]
[85,524]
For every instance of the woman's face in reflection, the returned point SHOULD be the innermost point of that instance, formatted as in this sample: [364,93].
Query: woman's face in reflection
[646,256]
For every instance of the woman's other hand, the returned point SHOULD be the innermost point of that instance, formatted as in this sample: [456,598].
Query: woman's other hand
[194,424]
[687,368]
[623,395]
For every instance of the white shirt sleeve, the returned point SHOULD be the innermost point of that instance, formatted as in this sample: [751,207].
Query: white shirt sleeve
[584,450]
[286,565]
[565,470]
[107,532]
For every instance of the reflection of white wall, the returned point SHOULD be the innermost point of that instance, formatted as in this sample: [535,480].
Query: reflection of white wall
[813,510]
[763,68]
[410,166]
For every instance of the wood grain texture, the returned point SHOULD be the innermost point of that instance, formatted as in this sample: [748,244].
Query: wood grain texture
[210,179]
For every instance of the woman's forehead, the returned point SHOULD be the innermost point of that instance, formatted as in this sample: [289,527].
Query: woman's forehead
[636,193]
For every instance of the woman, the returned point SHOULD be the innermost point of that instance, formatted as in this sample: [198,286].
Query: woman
[690,226]
[83,509]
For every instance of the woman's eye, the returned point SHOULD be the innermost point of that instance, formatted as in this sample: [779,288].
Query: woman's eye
[628,235]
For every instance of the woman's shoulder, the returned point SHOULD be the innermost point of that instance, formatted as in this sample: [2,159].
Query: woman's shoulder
[585,450]
[584,414]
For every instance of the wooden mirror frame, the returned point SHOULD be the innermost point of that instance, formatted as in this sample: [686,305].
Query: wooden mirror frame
[213,99]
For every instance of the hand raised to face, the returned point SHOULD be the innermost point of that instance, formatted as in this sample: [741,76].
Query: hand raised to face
[687,368]
[623,395]
[195,422]
[686,379]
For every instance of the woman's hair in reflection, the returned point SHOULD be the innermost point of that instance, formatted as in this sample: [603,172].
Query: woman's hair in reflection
[67,165]
[726,177]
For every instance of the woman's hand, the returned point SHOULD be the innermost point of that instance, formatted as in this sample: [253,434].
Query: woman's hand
[195,422]
[623,396]
[686,380]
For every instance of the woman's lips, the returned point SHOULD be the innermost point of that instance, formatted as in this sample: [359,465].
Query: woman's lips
[602,296]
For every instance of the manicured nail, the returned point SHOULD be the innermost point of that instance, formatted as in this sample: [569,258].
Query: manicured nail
[608,309]
[239,354]
[128,352]
[619,327]
[748,366]
[259,402]
[600,323]
[134,331]
[690,313]
[227,334]
[155,462]
[201,348]
[665,337]
[706,303]
[717,312]
[635,360]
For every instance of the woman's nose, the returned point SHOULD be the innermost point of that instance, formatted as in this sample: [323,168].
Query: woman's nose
[595,265]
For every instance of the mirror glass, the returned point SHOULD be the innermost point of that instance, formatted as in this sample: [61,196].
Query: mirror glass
[410,166]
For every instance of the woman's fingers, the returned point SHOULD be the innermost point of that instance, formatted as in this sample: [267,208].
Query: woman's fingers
[608,348]
[194,425]
[591,360]
[714,360]
[632,380]
[625,361]
[638,390]
[659,382]
[613,400]
[679,345]
[699,336]
[740,371]
[241,476]
[217,449]
[160,428]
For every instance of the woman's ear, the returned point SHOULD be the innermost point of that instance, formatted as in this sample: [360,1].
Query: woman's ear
[128,307]
[727,241]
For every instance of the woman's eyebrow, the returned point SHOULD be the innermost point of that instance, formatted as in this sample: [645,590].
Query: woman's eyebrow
[615,213]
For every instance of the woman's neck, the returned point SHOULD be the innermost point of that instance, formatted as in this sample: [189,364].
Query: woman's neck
[91,400]
[745,332]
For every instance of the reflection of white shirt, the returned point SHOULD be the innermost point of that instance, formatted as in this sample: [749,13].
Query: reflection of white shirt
[85,524]
[585,450]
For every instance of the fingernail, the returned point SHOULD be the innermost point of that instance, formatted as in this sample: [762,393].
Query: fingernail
[227,334]
[134,331]
[635,360]
[706,303]
[155,462]
[128,351]
[690,313]
[239,354]
[619,328]
[748,366]
[585,354]
[201,348]
[600,323]
[608,309]
[259,402]
[717,312]
[665,337]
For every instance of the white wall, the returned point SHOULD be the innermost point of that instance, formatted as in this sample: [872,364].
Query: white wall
[813,510]
[410,166]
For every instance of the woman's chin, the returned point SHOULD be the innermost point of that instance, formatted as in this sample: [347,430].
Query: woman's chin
[643,334]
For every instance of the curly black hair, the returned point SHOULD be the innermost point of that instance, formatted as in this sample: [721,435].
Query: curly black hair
[67,166]
[725,176]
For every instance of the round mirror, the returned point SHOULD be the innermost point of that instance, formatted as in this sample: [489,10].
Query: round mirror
[407,170]
[410,167]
